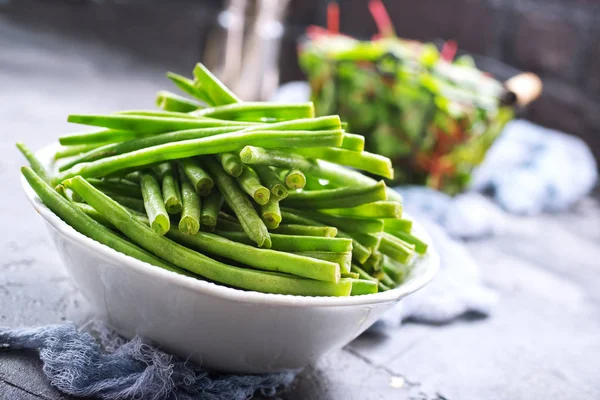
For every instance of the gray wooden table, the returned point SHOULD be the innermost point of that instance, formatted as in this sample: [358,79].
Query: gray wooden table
[542,342]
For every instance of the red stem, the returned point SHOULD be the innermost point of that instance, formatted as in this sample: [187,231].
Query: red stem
[333,18]
[382,18]
[449,50]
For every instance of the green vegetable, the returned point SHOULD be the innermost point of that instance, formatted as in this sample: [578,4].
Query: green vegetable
[214,89]
[73,216]
[187,86]
[291,243]
[420,246]
[173,102]
[397,225]
[343,259]
[305,230]
[353,142]
[269,178]
[362,160]
[130,202]
[267,282]
[343,223]
[189,223]
[240,204]
[112,149]
[198,177]
[144,124]
[258,112]
[171,191]
[338,198]
[295,179]
[231,163]
[97,137]
[269,260]
[189,148]
[210,210]
[271,214]
[36,165]
[363,286]
[117,186]
[396,248]
[70,151]
[376,209]
[154,204]
[250,183]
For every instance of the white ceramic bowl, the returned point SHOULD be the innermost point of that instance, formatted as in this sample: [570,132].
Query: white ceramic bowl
[220,327]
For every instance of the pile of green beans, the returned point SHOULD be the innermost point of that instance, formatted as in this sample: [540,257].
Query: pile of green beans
[249,195]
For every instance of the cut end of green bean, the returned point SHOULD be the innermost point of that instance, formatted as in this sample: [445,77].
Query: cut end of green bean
[209,222]
[363,286]
[279,191]
[295,179]
[262,196]
[173,205]
[189,226]
[161,225]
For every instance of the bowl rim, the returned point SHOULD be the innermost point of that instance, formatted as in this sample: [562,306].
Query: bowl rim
[427,265]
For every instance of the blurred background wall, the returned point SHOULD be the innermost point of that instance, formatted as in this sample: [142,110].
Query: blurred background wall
[558,39]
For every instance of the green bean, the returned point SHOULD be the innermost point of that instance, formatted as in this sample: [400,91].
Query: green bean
[68,194]
[269,178]
[226,217]
[98,136]
[420,246]
[292,218]
[370,240]
[117,186]
[173,102]
[210,210]
[295,179]
[343,259]
[373,263]
[157,113]
[250,183]
[269,260]
[305,230]
[231,163]
[397,225]
[189,148]
[396,248]
[213,88]
[385,279]
[326,123]
[363,286]
[396,270]
[36,165]
[245,278]
[70,151]
[353,142]
[73,216]
[189,223]
[382,287]
[360,253]
[291,243]
[335,174]
[199,178]
[112,149]
[337,198]
[236,199]
[229,226]
[258,111]
[133,177]
[145,124]
[130,202]
[154,204]
[362,273]
[351,275]
[171,191]
[376,209]
[270,214]
[187,86]
[343,223]
[365,161]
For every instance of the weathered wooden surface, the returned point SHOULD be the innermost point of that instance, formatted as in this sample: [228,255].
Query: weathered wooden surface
[543,341]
